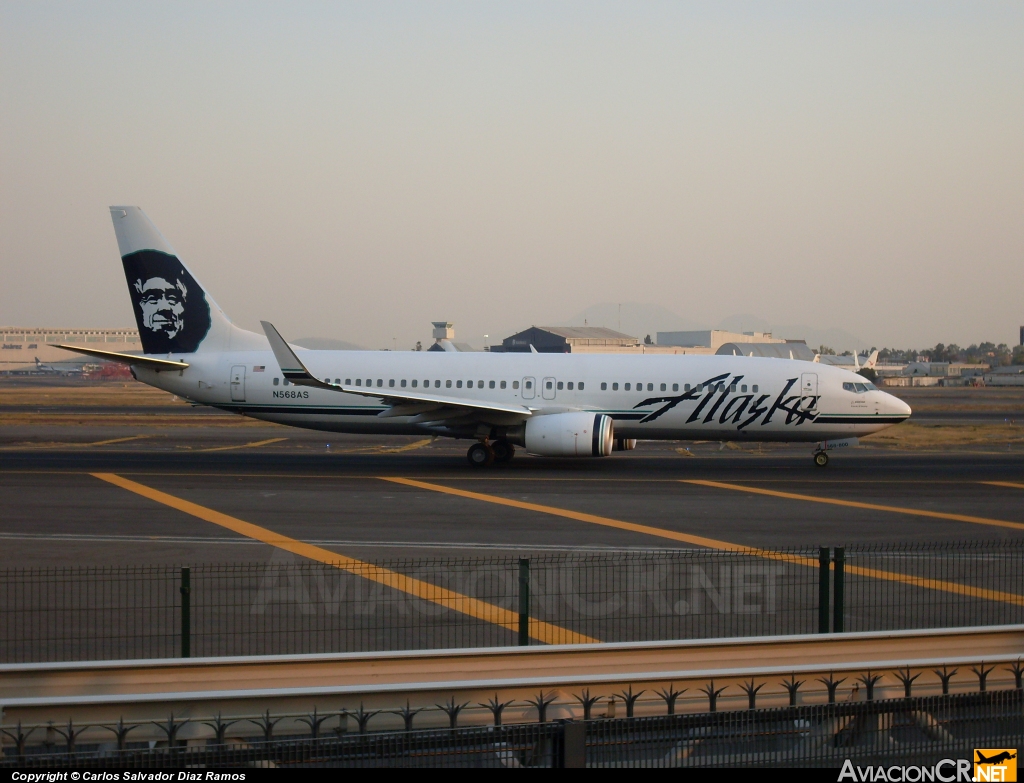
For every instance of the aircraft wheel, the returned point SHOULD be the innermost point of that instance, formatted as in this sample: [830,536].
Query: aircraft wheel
[503,451]
[820,459]
[480,455]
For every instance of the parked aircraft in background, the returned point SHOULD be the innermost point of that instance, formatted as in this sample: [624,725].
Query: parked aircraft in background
[555,405]
[853,361]
[49,369]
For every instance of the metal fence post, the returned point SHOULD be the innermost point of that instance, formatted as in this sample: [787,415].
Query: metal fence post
[186,612]
[824,558]
[524,601]
[572,750]
[838,610]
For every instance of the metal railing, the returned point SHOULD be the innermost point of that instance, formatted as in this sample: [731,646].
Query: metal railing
[908,731]
[287,605]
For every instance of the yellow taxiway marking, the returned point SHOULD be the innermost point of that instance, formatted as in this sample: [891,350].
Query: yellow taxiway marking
[64,445]
[579,516]
[1010,484]
[449,599]
[112,440]
[914,512]
[253,445]
[409,446]
[874,573]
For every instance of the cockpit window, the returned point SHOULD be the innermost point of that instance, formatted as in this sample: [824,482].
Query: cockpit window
[859,388]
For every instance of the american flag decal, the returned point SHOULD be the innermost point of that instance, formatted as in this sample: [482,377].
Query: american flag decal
[259,368]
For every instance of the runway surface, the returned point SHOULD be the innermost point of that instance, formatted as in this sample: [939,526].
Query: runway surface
[105,494]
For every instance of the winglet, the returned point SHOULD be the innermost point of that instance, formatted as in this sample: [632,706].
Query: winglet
[291,366]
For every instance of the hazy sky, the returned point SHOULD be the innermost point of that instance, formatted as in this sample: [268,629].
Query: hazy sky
[356,170]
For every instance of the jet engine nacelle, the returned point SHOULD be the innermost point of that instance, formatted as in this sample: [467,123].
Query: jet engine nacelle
[569,435]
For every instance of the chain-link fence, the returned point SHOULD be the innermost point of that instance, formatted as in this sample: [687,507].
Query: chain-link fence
[288,605]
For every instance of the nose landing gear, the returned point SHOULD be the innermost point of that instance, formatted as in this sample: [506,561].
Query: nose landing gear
[821,459]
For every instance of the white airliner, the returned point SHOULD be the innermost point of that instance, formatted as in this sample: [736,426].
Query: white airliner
[556,405]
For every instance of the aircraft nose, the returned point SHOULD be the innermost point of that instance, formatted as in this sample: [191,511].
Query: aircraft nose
[896,406]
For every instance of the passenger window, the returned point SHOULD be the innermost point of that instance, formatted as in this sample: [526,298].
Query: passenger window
[414,382]
[549,384]
[490,385]
[569,386]
[348,381]
[686,387]
[700,387]
[625,386]
[515,384]
[369,382]
[675,387]
[604,386]
[743,388]
[277,381]
[503,384]
[650,387]
[380,381]
[754,388]
[337,381]
[458,384]
[559,385]
[732,388]
[403,383]
[579,386]
[448,384]
[437,384]
[529,384]
[639,387]
[615,387]
[327,381]
[391,383]
[480,384]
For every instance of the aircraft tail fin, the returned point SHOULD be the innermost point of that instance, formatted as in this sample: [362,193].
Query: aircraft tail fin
[869,363]
[173,311]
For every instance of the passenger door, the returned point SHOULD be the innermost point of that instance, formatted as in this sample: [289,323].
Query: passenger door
[529,388]
[547,389]
[238,383]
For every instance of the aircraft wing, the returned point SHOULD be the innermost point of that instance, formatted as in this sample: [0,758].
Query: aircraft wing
[411,403]
[149,362]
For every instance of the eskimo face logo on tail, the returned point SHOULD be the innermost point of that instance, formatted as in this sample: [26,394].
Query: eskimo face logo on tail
[170,308]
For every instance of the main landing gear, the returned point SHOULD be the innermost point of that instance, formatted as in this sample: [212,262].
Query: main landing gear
[484,454]
[821,459]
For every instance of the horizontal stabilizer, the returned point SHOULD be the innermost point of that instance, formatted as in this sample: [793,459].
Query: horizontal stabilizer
[128,358]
